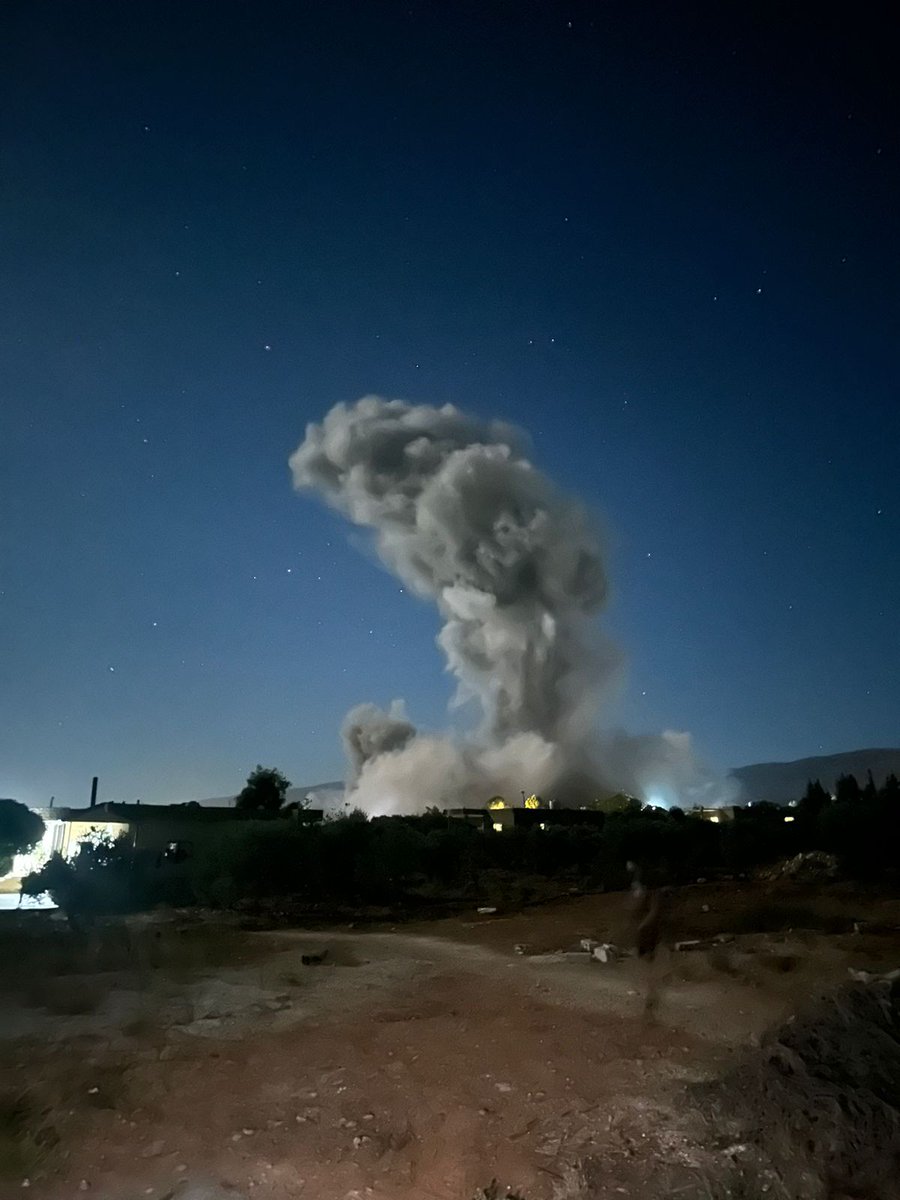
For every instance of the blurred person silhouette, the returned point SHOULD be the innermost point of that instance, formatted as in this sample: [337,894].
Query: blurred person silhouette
[646,927]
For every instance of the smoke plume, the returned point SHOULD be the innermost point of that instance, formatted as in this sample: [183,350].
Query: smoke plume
[516,570]
[368,732]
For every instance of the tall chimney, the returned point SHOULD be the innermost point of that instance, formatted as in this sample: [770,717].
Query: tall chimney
[94,783]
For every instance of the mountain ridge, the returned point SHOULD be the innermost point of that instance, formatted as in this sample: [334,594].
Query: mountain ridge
[782,782]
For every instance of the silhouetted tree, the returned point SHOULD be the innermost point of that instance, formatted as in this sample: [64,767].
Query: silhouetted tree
[870,791]
[815,798]
[265,790]
[890,790]
[20,830]
[847,789]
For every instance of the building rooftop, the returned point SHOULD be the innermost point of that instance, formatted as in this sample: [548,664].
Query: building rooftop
[112,812]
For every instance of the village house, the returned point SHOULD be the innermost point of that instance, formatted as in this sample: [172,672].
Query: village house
[173,830]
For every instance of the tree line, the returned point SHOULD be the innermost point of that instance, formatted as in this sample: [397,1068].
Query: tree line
[411,859]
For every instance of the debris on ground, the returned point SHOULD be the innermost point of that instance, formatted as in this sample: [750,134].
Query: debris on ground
[820,1098]
[874,976]
[494,1191]
[813,866]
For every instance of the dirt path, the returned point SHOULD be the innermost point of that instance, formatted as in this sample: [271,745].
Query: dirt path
[408,1065]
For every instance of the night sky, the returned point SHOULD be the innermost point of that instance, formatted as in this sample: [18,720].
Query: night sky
[663,238]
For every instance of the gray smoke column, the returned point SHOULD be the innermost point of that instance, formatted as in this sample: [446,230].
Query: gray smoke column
[515,568]
[368,731]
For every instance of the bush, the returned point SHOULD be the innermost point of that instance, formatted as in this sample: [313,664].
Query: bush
[106,876]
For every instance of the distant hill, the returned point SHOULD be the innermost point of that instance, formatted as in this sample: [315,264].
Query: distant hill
[329,796]
[782,782]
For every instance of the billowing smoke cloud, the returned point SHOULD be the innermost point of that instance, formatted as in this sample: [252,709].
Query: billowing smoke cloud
[368,732]
[516,571]
[662,769]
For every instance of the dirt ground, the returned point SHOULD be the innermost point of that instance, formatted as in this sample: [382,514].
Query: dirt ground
[413,1062]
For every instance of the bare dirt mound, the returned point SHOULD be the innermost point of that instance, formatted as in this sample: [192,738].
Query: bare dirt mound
[811,1113]
[819,1101]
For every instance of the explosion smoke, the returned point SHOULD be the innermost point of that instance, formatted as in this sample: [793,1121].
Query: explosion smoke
[368,732]
[516,571]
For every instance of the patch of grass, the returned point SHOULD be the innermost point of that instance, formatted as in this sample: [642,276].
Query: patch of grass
[26,1136]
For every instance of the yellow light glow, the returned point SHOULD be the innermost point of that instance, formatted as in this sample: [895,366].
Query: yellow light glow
[787,820]
[532,802]
[714,819]
[497,802]
[498,828]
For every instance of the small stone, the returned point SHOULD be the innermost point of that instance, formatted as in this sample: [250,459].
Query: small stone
[154,1149]
[248,1132]
[93,1091]
[504,1087]
[83,1186]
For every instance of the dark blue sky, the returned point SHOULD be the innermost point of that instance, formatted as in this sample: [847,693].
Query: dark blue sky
[661,237]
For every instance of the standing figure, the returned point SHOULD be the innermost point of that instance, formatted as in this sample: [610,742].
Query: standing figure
[646,923]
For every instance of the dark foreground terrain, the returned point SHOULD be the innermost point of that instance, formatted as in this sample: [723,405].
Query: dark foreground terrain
[172,1053]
